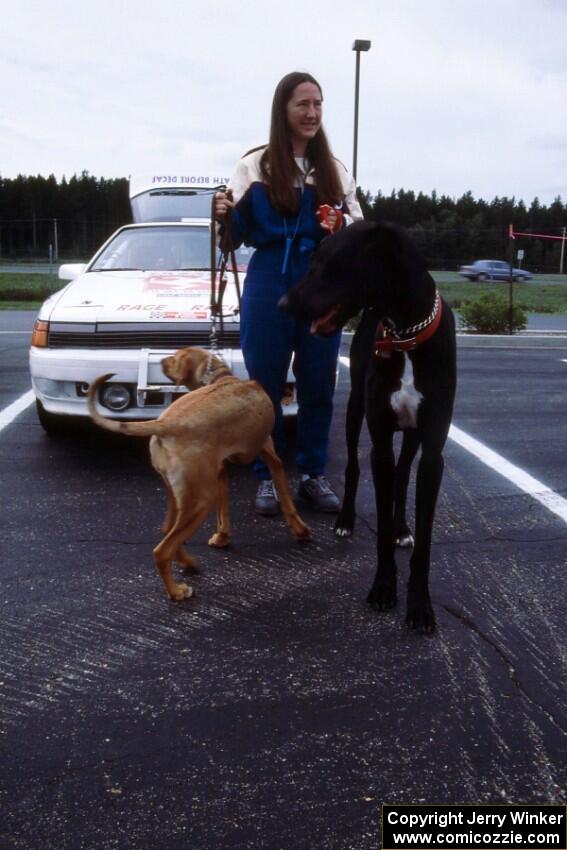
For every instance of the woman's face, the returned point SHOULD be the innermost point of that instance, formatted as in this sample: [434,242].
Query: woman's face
[304,114]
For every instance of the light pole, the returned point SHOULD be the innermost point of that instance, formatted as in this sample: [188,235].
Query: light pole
[358,46]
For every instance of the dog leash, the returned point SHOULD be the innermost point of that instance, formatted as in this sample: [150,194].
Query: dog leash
[210,375]
[226,253]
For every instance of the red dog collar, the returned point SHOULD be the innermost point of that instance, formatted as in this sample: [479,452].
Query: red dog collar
[388,339]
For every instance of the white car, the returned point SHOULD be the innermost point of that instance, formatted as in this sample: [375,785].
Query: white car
[145,294]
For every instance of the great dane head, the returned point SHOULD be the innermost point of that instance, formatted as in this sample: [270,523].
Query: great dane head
[367,264]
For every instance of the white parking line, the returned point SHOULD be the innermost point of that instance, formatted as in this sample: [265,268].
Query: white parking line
[13,410]
[523,480]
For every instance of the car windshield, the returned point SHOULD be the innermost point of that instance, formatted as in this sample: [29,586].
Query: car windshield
[162,248]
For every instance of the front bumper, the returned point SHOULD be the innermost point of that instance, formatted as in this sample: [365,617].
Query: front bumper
[60,379]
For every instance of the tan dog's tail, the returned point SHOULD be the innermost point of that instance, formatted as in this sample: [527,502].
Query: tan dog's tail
[132,429]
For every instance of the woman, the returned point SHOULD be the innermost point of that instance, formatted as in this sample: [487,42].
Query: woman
[287,196]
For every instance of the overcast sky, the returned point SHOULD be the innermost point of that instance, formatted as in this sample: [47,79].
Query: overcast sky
[455,94]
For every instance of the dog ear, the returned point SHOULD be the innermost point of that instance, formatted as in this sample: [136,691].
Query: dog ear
[197,378]
[194,367]
[182,367]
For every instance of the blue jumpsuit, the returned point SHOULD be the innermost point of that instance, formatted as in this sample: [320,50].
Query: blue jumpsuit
[269,338]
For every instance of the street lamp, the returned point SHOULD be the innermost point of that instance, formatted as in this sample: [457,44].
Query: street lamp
[358,46]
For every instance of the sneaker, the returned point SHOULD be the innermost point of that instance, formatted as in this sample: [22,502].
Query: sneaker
[318,492]
[267,502]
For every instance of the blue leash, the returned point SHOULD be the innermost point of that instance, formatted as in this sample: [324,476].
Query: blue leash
[289,242]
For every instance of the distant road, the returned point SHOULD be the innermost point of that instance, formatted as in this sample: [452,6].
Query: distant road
[547,322]
[28,268]
[33,268]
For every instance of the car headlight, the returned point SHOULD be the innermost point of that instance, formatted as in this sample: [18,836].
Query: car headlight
[115,397]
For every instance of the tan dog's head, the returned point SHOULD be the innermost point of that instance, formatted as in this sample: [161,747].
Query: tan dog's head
[189,366]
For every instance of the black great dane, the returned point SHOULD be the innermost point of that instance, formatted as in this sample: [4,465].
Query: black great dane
[403,375]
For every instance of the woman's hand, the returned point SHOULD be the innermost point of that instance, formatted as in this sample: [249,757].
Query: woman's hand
[329,218]
[330,221]
[222,205]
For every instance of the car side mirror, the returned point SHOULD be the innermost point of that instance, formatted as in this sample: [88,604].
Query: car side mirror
[69,271]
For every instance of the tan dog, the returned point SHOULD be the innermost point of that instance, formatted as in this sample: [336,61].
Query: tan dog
[227,419]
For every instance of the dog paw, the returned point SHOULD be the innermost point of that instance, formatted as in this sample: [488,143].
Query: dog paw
[383,597]
[219,540]
[404,540]
[419,615]
[303,532]
[344,525]
[181,591]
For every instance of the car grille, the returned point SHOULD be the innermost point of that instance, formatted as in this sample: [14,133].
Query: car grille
[143,338]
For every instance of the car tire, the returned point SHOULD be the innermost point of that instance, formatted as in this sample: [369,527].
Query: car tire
[53,424]
[482,277]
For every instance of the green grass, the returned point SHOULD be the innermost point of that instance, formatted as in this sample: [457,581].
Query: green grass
[26,291]
[542,294]
[20,291]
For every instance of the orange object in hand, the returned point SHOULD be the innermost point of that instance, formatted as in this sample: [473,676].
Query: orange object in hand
[323,215]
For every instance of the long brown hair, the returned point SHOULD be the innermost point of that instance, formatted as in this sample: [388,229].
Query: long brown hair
[277,164]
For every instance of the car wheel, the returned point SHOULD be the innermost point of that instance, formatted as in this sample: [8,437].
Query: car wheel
[482,277]
[52,423]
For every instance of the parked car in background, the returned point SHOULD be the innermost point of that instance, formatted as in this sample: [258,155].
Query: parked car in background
[145,294]
[492,270]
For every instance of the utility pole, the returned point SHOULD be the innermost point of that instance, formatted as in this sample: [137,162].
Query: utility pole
[562,251]
[511,239]
[34,230]
[359,45]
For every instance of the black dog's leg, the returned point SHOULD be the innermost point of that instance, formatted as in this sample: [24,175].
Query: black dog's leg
[410,444]
[429,474]
[383,593]
[435,377]
[344,524]
[360,354]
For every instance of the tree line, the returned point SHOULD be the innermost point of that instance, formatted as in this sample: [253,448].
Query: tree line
[451,232]
[75,216]
[72,216]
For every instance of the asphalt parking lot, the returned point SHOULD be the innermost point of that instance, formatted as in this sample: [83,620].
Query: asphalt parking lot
[274,709]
